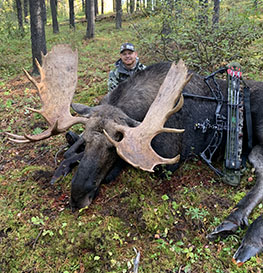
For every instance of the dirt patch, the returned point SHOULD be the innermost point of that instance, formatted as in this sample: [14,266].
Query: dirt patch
[212,201]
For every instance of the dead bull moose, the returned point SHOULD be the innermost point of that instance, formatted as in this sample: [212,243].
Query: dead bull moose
[136,122]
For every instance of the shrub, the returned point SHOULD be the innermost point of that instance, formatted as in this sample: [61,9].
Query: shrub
[191,35]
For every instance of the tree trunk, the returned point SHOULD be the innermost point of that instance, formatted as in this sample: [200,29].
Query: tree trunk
[215,19]
[96,7]
[118,14]
[137,5]
[90,19]
[156,4]
[149,5]
[19,15]
[71,14]
[127,6]
[53,7]
[44,11]
[114,5]
[132,3]
[102,6]
[83,6]
[38,37]
[86,10]
[25,11]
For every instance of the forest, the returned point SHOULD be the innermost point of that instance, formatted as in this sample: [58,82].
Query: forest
[140,222]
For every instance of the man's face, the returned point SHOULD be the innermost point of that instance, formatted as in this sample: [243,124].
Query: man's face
[128,57]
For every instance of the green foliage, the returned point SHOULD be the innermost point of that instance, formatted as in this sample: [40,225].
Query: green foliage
[197,213]
[191,35]
[238,196]
[8,22]
[37,131]
[166,220]
[37,221]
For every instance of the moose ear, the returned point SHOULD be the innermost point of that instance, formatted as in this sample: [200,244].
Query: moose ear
[81,108]
[132,122]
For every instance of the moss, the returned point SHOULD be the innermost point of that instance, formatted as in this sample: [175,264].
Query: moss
[165,219]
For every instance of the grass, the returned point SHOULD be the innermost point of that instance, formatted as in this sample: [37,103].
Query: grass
[166,220]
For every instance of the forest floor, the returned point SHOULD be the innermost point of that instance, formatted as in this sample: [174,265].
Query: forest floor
[166,220]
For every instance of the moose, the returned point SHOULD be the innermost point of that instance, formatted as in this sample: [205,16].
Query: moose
[146,121]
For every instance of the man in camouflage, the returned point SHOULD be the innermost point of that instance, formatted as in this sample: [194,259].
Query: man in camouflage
[125,67]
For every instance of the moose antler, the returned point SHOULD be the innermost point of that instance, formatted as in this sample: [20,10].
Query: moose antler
[56,89]
[135,146]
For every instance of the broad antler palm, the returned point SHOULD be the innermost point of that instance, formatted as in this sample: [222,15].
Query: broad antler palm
[56,89]
[135,146]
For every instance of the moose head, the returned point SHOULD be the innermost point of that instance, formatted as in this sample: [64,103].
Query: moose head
[109,131]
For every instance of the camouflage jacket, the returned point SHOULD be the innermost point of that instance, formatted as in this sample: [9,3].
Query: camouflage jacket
[120,73]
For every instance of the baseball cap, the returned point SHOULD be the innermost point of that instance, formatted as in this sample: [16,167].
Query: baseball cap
[127,46]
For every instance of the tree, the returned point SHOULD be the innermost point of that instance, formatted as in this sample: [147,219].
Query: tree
[156,4]
[44,11]
[118,14]
[25,10]
[137,5]
[149,4]
[132,5]
[96,7]
[19,15]
[38,37]
[215,18]
[102,6]
[71,14]
[53,6]
[90,19]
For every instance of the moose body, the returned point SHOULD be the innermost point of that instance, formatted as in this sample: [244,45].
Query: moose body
[133,98]
[127,106]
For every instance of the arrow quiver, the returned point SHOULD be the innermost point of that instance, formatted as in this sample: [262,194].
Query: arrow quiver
[235,110]
[235,121]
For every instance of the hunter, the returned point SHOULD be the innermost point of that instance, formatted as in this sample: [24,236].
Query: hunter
[125,67]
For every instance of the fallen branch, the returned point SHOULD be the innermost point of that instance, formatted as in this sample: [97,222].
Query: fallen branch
[136,260]
[38,236]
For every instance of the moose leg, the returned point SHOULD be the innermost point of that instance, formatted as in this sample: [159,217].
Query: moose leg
[71,158]
[66,166]
[71,137]
[115,171]
[239,216]
[77,147]
[252,243]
